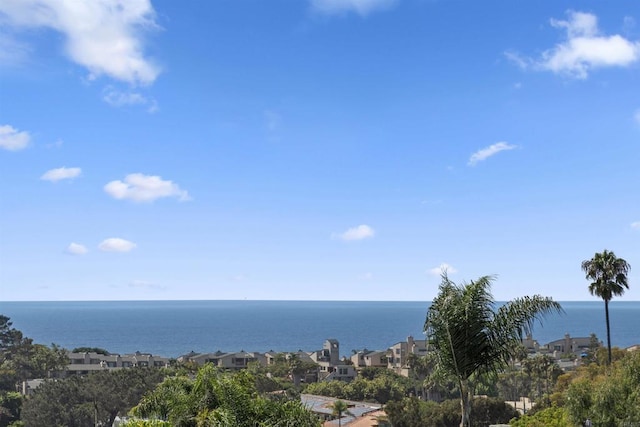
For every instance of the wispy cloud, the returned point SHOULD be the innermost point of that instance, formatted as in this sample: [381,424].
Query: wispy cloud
[635,225]
[273,120]
[12,51]
[517,59]
[76,249]
[105,37]
[489,151]
[442,268]
[355,233]
[144,284]
[361,7]
[584,49]
[116,244]
[144,188]
[636,116]
[117,98]
[58,174]
[12,139]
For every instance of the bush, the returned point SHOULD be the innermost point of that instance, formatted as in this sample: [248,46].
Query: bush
[412,412]
[549,417]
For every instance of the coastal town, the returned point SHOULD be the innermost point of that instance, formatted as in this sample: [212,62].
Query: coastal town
[322,365]
[567,352]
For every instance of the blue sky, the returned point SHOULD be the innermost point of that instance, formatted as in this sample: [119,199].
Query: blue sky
[318,149]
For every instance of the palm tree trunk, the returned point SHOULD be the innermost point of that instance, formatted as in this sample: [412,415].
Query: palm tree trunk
[465,403]
[606,313]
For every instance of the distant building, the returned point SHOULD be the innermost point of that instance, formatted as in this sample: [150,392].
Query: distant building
[370,359]
[328,358]
[569,346]
[226,361]
[87,362]
[398,354]
[530,344]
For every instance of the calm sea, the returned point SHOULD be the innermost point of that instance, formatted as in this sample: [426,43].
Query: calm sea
[172,328]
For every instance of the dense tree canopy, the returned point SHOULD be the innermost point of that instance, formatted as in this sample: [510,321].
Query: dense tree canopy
[373,384]
[217,398]
[608,396]
[412,412]
[81,401]
[20,360]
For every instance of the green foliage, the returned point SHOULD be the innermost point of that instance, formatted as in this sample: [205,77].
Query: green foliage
[376,385]
[78,401]
[608,399]
[20,360]
[412,412]
[338,409]
[10,404]
[97,350]
[145,423]
[542,371]
[471,337]
[216,398]
[549,417]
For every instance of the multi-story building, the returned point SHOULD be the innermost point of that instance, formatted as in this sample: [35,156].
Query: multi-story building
[398,354]
[87,362]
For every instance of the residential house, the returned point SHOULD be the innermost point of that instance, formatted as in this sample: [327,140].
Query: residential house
[327,358]
[569,346]
[227,361]
[87,362]
[370,359]
[398,354]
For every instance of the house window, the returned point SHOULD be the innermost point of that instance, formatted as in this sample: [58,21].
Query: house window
[343,371]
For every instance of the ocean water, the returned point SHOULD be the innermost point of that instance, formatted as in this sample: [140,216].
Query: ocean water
[172,328]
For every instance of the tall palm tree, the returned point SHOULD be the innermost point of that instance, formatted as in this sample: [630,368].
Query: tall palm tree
[609,275]
[470,336]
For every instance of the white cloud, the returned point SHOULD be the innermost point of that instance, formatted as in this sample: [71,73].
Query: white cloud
[144,188]
[442,268]
[361,7]
[54,175]
[13,140]
[635,225]
[584,49]
[103,36]
[636,116]
[489,151]
[115,244]
[365,276]
[116,98]
[356,233]
[76,249]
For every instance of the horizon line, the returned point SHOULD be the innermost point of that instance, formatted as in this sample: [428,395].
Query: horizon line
[275,300]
